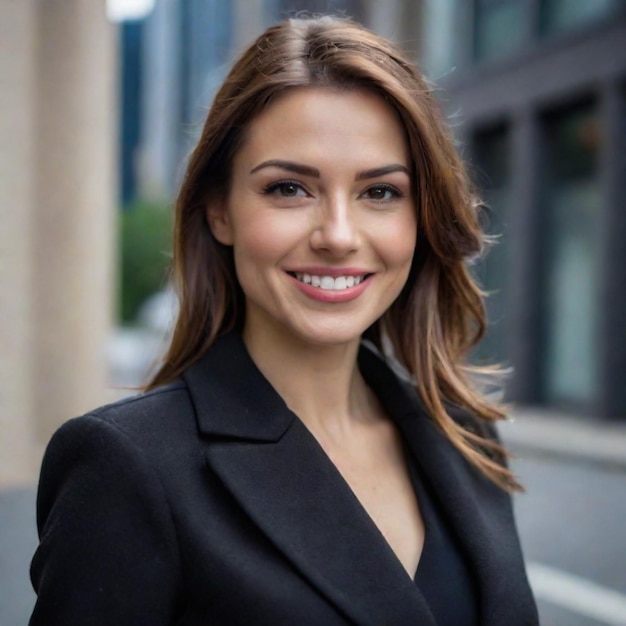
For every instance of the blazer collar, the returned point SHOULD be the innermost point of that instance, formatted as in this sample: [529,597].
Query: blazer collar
[232,398]
[285,482]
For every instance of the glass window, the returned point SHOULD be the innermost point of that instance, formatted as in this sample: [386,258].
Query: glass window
[439,37]
[492,155]
[501,27]
[572,237]
[563,15]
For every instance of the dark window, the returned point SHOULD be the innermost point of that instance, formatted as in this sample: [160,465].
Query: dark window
[500,27]
[563,15]
[493,175]
[571,206]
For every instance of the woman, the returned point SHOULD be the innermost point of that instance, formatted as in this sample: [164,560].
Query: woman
[311,451]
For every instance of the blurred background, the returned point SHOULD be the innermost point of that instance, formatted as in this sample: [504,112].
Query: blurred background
[100,102]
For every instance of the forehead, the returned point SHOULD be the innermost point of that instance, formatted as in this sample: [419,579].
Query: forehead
[318,123]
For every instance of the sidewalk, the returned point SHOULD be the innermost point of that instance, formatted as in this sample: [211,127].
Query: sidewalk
[539,431]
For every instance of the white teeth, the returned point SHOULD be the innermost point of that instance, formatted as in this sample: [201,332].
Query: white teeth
[328,282]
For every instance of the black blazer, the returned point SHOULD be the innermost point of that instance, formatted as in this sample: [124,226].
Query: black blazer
[208,502]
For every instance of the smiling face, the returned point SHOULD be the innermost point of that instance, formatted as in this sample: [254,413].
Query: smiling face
[321,216]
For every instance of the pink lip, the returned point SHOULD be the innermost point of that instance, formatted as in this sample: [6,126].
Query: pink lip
[319,270]
[329,295]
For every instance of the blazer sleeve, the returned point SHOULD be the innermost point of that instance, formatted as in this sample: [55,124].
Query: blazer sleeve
[108,552]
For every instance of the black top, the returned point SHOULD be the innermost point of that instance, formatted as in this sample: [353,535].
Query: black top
[442,575]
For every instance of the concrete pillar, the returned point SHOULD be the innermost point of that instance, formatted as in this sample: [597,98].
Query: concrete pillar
[17,137]
[75,208]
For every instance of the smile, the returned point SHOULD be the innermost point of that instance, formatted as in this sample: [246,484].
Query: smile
[329,283]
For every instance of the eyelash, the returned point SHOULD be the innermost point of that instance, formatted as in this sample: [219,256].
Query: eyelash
[274,187]
[385,187]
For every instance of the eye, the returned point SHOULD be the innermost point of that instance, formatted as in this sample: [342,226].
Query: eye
[382,193]
[286,189]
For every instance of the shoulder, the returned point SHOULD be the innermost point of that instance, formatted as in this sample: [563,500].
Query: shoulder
[146,423]
[155,410]
[141,440]
[163,403]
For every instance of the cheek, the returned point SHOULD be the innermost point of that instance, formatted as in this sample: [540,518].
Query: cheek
[265,238]
[398,239]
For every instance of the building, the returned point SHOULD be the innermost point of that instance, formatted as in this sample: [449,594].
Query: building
[537,90]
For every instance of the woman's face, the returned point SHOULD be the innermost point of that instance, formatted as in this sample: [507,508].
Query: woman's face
[320,215]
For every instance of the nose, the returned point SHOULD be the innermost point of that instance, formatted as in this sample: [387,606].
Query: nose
[336,229]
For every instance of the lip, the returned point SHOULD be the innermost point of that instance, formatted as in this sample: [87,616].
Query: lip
[329,295]
[320,270]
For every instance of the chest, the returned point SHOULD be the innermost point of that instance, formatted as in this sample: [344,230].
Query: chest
[382,486]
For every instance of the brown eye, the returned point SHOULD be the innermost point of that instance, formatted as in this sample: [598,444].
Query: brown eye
[286,189]
[382,193]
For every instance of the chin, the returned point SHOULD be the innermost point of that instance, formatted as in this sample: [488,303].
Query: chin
[329,336]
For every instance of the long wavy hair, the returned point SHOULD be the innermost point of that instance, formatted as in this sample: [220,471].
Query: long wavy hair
[439,315]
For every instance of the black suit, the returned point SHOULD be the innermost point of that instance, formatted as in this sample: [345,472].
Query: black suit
[208,502]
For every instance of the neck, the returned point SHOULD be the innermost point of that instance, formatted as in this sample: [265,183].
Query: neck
[321,384]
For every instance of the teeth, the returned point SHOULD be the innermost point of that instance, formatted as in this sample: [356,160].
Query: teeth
[329,283]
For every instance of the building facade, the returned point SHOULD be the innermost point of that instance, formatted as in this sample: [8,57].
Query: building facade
[537,91]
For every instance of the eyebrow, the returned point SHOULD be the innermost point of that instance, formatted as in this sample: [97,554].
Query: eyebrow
[376,172]
[306,170]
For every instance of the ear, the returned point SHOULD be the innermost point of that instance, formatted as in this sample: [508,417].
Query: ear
[219,223]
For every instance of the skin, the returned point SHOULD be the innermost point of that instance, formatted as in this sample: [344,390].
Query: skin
[322,184]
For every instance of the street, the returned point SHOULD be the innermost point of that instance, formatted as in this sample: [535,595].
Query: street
[571,520]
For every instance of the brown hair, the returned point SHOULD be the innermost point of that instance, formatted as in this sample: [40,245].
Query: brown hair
[439,315]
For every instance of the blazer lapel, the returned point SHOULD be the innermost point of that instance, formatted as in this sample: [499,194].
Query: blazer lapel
[287,485]
[479,512]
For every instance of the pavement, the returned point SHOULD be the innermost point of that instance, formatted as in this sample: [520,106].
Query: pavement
[538,431]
